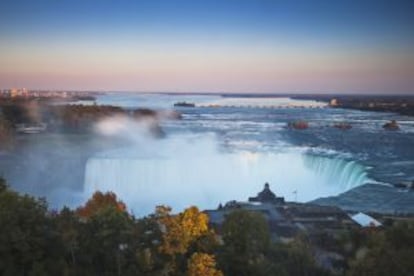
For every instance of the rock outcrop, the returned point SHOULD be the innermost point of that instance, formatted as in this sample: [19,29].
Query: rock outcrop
[392,125]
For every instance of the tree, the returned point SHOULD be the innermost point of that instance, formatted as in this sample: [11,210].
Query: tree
[103,236]
[3,185]
[179,231]
[201,264]
[146,239]
[248,249]
[390,252]
[299,260]
[29,243]
[6,134]
[99,202]
[68,227]
[246,239]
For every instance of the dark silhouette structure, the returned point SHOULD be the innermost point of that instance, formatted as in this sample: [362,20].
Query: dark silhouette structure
[267,196]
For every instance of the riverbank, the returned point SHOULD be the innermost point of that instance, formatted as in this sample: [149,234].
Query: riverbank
[400,104]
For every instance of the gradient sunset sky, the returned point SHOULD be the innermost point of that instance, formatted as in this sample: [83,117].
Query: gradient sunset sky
[208,46]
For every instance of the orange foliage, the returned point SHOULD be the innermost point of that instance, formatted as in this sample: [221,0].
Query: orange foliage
[202,264]
[179,231]
[100,201]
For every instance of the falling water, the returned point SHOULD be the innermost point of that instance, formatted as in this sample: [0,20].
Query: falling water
[338,172]
[207,177]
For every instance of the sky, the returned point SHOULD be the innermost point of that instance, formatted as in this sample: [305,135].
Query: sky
[264,46]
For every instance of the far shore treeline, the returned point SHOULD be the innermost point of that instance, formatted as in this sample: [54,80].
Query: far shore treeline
[69,118]
[102,238]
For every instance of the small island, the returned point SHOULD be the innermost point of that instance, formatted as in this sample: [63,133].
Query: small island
[184,104]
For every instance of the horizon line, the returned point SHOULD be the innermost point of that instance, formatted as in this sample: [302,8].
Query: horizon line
[301,93]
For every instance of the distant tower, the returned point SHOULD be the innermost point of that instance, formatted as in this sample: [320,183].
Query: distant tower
[267,196]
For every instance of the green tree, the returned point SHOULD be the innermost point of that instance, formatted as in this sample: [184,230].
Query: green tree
[146,238]
[3,185]
[294,258]
[246,239]
[390,252]
[29,242]
[6,134]
[299,259]
[104,237]
[68,226]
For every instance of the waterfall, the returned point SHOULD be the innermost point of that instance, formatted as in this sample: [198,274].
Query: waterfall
[337,172]
[206,178]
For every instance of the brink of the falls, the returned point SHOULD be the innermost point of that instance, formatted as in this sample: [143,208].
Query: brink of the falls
[207,178]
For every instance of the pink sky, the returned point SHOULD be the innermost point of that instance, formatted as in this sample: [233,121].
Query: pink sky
[243,69]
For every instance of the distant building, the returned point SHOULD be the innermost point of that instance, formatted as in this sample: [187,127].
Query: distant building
[267,196]
[365,221]
[287,219]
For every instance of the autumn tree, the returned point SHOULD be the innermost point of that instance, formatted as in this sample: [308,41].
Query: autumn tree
[179,233]
[104,242]
[99,243]
[202,264]
[180,230]
[99,202]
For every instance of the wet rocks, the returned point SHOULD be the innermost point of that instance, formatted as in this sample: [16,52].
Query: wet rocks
[343,126]
[392,125]
[300,125]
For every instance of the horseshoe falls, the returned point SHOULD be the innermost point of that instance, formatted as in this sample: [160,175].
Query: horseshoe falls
[338,172]
[208,178]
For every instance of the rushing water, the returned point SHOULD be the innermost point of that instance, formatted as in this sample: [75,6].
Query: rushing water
[337,172]
[191,169]
[214,155]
